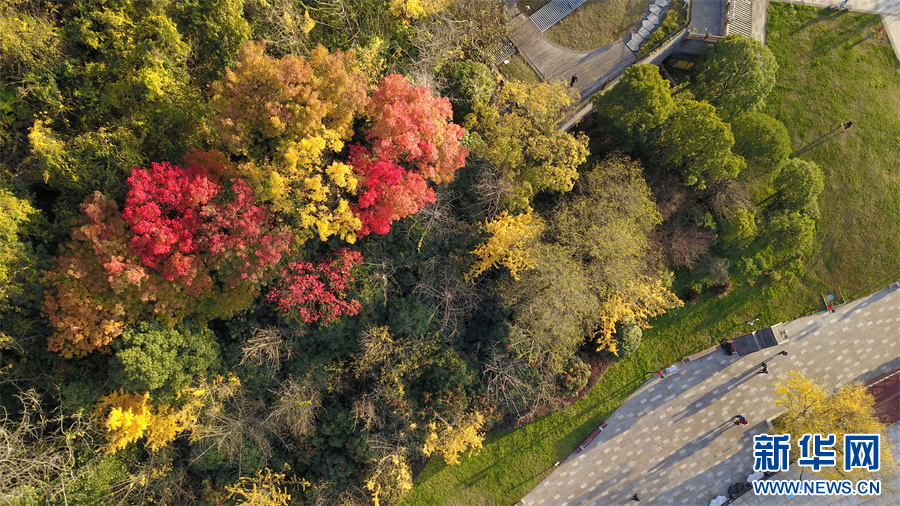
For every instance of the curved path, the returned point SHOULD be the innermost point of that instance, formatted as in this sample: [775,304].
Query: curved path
[555,63]
[672,441]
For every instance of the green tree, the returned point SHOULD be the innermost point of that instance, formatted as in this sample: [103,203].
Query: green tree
[608,222]
[151,357]
[628,338]
[791,231]
[698,144]
[467,83]
[521,140]
[15,256]
[553,309]
[640,102]
[735,75]
[761,139]
[797,186]
[215,29]
[812,410]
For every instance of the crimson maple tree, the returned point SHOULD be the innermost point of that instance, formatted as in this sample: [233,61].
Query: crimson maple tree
[389,192]
[411,126]
[315,292]
[184,243]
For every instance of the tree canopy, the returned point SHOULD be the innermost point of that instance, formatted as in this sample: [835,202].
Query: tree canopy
[735,75]
[698,145]
[762,140]
[813,410]
[639,102]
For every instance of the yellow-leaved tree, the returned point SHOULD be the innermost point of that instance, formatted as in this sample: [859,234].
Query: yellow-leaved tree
[451,439]
[511,239]
[523,143]
[813,410]
[266,488]
[414,9]
[644,299]
[288,117]
[127,416]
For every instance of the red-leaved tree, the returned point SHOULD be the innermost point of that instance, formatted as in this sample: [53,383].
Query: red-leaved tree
[315,292]
[163,210]
[410,126]
[98,287]
[184,244]
[187,227]
[388,192]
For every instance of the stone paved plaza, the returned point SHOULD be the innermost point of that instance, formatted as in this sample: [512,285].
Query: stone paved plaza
[673,441]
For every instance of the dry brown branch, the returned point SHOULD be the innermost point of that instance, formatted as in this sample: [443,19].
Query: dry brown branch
[268,348]
[364,410]
[38,450]
[296,408]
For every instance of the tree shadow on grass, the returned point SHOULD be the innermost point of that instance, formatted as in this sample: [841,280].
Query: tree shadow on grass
[822,15]
[818,142]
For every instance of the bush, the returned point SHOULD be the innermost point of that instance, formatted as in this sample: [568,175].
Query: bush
[574,377]
[628,339]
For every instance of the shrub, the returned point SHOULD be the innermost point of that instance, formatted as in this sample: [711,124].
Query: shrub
[628,339]
[574,377]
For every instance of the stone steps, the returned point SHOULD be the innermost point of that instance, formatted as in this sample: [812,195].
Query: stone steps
[743,18]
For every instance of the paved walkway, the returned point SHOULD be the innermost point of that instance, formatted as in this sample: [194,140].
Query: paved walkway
[708,16]
[672,441]
[555,63]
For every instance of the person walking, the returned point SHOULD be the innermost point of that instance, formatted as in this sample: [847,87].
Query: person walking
[765,369]
[846,126]
[635,498]
[573,80]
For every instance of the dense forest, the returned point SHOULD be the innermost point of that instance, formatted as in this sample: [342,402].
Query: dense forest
[283,252]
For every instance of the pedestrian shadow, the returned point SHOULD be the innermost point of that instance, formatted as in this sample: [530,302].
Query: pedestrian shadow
[691,448]
[818,142]
[717,393]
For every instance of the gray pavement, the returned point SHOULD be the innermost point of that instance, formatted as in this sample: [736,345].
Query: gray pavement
[707,16]
[672,441]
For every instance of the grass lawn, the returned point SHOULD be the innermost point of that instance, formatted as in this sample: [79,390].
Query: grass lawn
[597,23]
[830,73]
[518,70]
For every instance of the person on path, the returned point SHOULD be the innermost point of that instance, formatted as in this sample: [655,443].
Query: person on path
[765,369]
[573,80]
[635,498]
[843,4]
[846,125]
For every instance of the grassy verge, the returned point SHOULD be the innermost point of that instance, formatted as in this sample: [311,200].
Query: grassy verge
[597,23]
[518,70]
[829,74]
[832,71]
